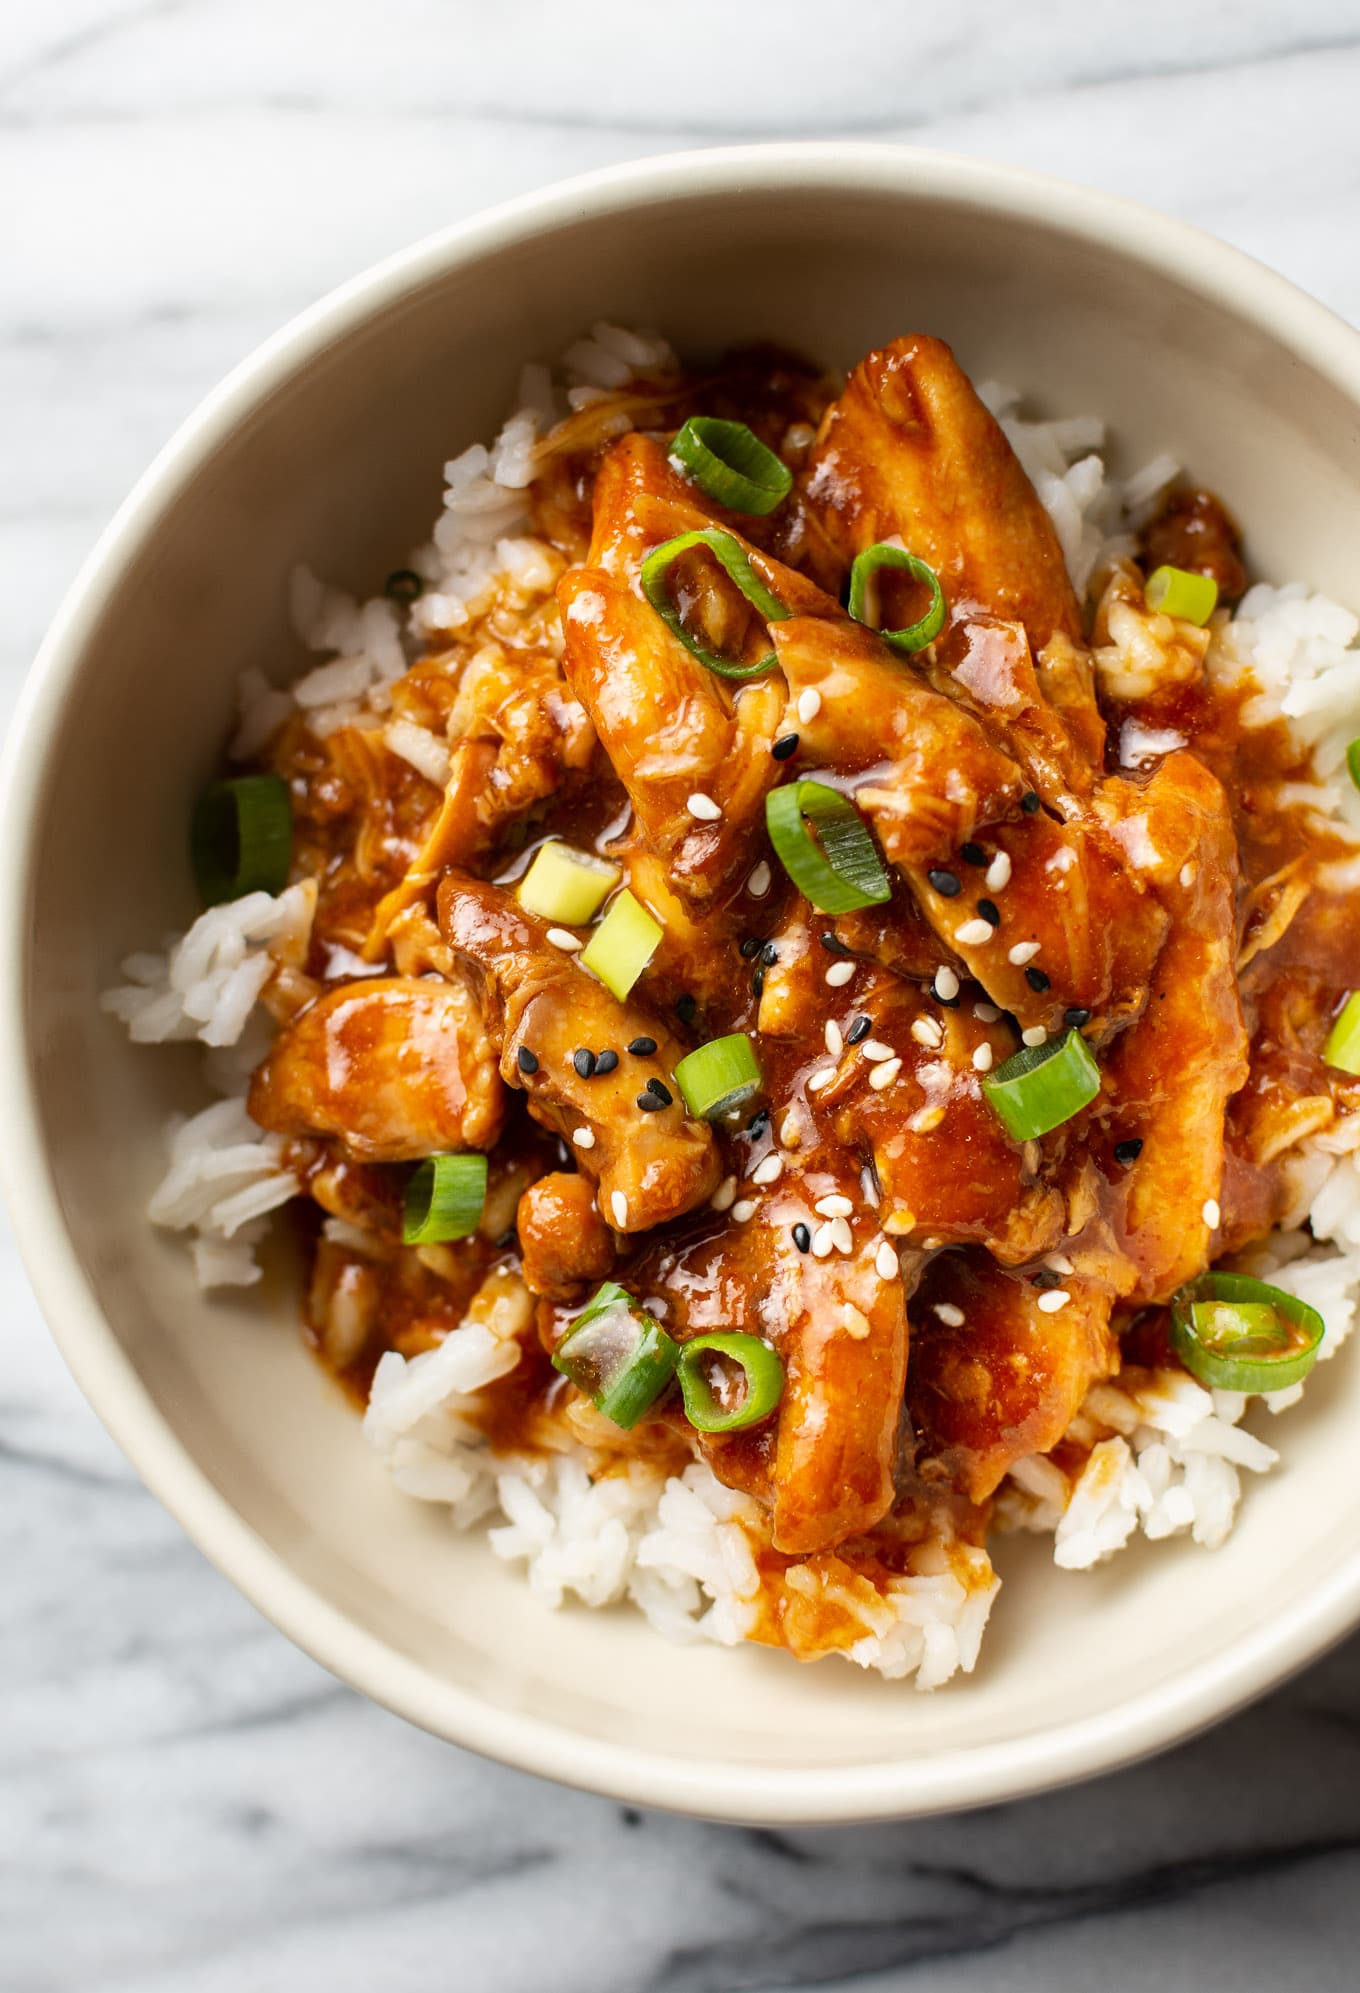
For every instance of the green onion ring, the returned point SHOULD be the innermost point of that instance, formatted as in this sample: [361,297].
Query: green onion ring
[1237,1334]
[618,1354]
[762,1370]
[445,1196]
[1176,591]
[1353,762]
[727,550]
[1042,1086]
[622,945]
[719,1076]
[731,465]
[241,838]
[845,872]
[1343,1040]
[917,635]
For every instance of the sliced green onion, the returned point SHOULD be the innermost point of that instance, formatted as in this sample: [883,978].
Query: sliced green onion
[1043,1086]
[1353,761]
[841,872]
[762,1380]
[719,1076]
[566,885]
[727,550]
[622,945]
[1343,1040]
[404,585]
[241,838]
[1238,1334]
[918,634]
[730,464]
[1178,592]
[444,1199]
[618,1355]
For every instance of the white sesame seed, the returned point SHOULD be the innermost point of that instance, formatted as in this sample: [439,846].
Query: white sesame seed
[569,943]
[842,1238]
[951,1316]
[1187,873]
[1036,1035]
[839,974]
[723,1197]
[1211,1214]
[791,1129]
[926,1031]
[973,933]
[875,1051]
[1060,1263]
[886,1264]
[982,1058]
[744,1209]
[885,1074]
[868,1185]
[822,1241]
[584,1138]
[618,1204]
[853,1321]
[946,983]
[1053,1299]
[822,1077]
[768,1171]
[809,704]
[998,873]
[834,1206]
[986,1013]
[759,882]
[835,1044]
[703,807]
[1023,951]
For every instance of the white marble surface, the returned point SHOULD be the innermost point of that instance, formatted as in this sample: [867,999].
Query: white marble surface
[187,1803]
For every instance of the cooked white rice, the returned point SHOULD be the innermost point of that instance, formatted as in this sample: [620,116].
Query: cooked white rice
[1154,1452]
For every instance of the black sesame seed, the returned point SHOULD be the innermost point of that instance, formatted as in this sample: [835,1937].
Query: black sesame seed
[526,1060]
[649,1103]
[751,947]
[974,854]
[1128,1152]
[758,1122]
[1076,1017]
[687,1009]
[642,1048]
[605,1062]
[1037,980]
[947,884]
[661,1090]
[769,954]
[1045,1277]
[990,912]
[859,1028]
[833,944]
[584,1062]
[802,1237]
[1029,802]
[758,982]
[784,747]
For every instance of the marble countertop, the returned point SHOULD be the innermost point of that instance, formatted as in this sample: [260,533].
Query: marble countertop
[187,1804]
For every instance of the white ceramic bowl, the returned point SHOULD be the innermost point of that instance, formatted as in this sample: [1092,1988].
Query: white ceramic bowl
[327,446]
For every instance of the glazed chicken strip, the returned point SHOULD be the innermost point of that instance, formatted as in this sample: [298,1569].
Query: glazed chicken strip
[395,1068]
[541,1008]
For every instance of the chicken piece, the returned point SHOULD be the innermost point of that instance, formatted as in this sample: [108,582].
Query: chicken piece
[563,1240]
[541,1008]
[1044,715]
[1007,1379]
[395,1069]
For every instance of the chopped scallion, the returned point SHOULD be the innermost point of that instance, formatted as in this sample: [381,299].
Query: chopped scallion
[719,1076]
[1353,762]
[1043,1086]
[618,1355]
[842,871]
[1175,591]
[762,1381]
[727,550]
[1233,1333]
[622,945]
[565,885]
[444,1199]
[241,838]
[729,463]
[1343,1041]
[927,627]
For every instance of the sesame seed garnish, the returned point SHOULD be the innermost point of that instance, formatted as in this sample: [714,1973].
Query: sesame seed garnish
[835,1044]
[999,872]
[859,1027]
[842,1238]
[661,1090]
[947,884]
[642,1048]
[744,1209]
[1053,1300]
[769,954]
[786,745]
[751,947]
[1129,1151]
[809,704]
[605,1061]
[526,1060]
[568,943]
[986,1013]
[791,1130]
[1045,1277]
[973,933]
[821,1078]
[854,1321]
[649,1103]
[974,853]
[946,983]
[1029,802]
[875,1051]
[1060,1263]
[703,807]
[928,1031]
[758,983]
[584,1062]
[1076,1017]
[990,912]
[724,1196]
[618,1204]
[758,883]
[951,1316]
[802,1237]
[833,944]
[1211,1213]
[584,1138]
[1037,980]
[822,1241]
[1036,1035]
[885,1074]
[1023,951]
[982,1058]
[886,1263]
[767,1171]
[759,1122]
[833,1206]
[839,974]
[1187,873]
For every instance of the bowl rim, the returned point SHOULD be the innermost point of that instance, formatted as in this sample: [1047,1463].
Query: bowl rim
[956,1778]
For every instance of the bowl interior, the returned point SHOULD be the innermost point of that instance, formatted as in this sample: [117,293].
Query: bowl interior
[330,451]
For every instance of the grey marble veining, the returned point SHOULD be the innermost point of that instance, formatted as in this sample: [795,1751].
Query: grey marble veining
[187,1804]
